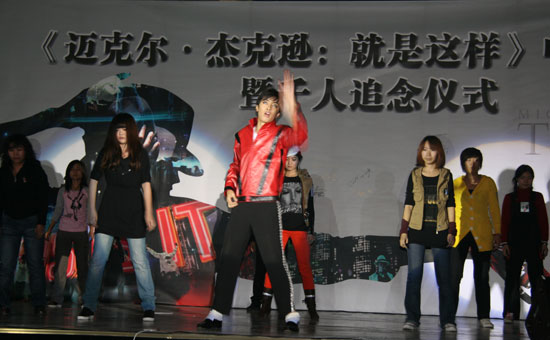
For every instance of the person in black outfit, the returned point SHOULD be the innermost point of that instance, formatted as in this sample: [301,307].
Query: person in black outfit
[524,237]
[23,206]
[126,211]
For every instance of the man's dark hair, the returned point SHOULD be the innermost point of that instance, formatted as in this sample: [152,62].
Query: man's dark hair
[268,92]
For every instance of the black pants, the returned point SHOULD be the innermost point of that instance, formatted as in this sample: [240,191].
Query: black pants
[63,244]
[262,220]
[519,253]
[482,265]
[259,279]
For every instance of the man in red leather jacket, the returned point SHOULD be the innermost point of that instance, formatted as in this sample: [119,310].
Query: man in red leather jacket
[252,188]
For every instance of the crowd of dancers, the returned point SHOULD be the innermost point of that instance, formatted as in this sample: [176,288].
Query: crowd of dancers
[271,202]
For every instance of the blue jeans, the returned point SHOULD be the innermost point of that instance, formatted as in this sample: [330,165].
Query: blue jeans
[138,254]
[10,242]
[414,280]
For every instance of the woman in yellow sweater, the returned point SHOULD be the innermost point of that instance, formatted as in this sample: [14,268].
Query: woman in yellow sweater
[478,229]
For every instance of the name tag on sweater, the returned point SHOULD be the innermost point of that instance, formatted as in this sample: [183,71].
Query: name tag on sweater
[524,207]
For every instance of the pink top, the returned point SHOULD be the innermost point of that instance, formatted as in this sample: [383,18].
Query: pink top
[71,209]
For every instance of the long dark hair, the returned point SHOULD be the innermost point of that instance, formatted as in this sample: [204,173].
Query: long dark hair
[520,171]
[69,181]
[111,149]
[13,141]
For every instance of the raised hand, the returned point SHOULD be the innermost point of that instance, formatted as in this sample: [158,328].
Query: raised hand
[287,97]
[148,144]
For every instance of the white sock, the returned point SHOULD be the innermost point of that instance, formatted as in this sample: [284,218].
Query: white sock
[293,317]
[214,315]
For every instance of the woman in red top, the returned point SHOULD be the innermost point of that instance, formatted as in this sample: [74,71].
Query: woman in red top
[298,216]
[524,237]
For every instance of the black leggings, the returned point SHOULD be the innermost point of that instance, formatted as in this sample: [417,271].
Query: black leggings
[482,265]
[518,254]
[263,220]
[63,244]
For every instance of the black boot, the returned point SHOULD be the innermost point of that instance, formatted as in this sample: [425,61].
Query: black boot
[311,308]
[265,309]
[254,305]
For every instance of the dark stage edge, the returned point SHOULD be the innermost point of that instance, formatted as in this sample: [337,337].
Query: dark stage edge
[124,321]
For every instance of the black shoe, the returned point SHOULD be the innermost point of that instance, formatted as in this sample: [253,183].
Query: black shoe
[311,307]
[292,326]
[209,324]
[149,316]
[265,309]
[254,306]
[86,314]
[40,310]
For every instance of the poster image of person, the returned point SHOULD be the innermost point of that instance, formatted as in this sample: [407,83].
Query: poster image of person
[166,261]
[381,273]
[291,198]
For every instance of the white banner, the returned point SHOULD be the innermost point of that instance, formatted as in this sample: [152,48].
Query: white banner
[373,78]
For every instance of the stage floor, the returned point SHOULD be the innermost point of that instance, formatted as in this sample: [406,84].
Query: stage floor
[124,321]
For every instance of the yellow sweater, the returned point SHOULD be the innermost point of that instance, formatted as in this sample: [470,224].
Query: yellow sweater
[477,212]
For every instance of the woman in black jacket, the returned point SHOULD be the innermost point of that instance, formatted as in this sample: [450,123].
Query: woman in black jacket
[24,204]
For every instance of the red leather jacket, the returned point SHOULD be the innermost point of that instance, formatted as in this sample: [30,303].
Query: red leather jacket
[258,166]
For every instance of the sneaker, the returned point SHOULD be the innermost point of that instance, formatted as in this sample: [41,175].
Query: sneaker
[410,326]
[509,318]
[149,316]
[450,327]
[86,314]
[53,304]
[486,323]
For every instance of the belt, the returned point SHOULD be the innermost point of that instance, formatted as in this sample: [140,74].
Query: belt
[257,198]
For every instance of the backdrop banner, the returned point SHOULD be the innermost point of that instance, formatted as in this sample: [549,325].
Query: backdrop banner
[373,78]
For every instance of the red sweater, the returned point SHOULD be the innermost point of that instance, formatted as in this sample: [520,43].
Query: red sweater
[524,196]
[258,165]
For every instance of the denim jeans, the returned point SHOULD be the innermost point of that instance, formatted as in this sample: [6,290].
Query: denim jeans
[138,254]
[414,280]
[10,242]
